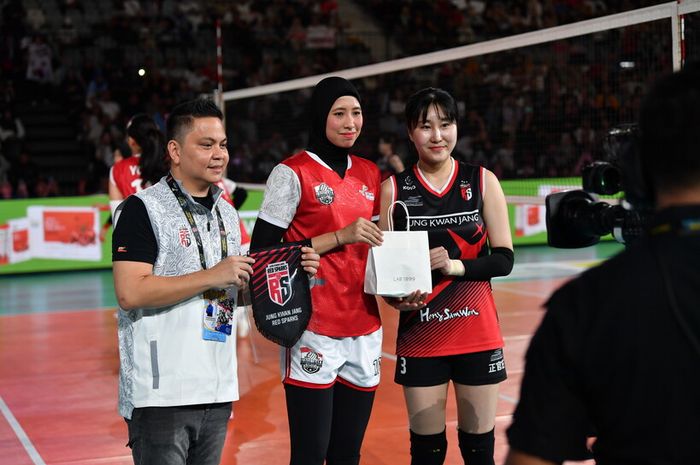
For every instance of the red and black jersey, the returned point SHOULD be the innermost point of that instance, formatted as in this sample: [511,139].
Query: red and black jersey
[460,316]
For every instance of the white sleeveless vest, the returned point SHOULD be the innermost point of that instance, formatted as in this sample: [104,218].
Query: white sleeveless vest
[164,359]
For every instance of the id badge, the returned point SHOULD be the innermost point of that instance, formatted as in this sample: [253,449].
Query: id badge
[218,315]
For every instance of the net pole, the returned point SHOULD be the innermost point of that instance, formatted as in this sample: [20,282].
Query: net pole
[682,33]
[219,70]
[676,52]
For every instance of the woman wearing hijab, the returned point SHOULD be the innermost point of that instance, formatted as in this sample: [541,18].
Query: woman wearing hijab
[329,198]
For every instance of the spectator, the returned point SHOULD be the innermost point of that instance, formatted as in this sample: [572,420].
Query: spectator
[46,187]
[4,170]
[11,134]
[320,35]
[296,35]
[35,18]
[23,175]
[132,8]
[66,6]
[97,85]
[39,65]
[192,10]
[109,106]
[67,34]
[5,190]
[388,162]
[99,165]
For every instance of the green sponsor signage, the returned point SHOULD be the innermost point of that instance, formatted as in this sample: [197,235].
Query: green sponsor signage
[66,230]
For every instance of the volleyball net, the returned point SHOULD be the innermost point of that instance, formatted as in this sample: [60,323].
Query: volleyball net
[535,108]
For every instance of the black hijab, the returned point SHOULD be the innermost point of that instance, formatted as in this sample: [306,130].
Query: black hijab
[323,97]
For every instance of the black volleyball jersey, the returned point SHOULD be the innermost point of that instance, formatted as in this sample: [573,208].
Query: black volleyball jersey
[460,316]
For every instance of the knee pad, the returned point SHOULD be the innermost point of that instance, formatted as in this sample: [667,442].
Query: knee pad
[428,449]
[476,449]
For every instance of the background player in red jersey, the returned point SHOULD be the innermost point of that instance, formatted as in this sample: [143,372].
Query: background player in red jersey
[452,333]
[329,198]
[146,165]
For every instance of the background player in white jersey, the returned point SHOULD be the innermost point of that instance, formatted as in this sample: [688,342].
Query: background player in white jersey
[329,198]
[456,335]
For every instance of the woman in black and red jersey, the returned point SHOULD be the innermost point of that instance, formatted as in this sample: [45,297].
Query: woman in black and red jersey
[455,336]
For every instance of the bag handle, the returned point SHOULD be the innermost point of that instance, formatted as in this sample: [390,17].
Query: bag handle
[390,213]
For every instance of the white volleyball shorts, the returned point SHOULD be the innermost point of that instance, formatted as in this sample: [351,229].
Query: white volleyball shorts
[318,361]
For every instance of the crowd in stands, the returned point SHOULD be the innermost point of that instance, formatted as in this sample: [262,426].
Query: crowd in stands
[526,113]
[541,111]
[428,25]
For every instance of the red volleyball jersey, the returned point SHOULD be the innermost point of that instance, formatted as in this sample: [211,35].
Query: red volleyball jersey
[321,202]
[460,316]
[126,175]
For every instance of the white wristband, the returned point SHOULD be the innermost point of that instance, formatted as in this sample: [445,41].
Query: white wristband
[456,268]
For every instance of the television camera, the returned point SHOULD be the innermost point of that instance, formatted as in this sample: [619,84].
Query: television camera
[577,218]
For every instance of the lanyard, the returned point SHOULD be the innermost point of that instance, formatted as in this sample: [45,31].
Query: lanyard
[184,204]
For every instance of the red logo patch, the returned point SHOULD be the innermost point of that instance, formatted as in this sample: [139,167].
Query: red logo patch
[184,235]
[465,189]
[279,283]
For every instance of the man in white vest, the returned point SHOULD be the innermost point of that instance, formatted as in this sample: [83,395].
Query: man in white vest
[178,270]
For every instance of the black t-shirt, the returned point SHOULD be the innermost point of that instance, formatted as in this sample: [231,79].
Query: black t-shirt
[133,238]
[610,360]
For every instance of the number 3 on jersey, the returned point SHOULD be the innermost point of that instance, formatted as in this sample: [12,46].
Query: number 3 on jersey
[403,365]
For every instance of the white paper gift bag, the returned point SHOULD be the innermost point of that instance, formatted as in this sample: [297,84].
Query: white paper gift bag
[401,264]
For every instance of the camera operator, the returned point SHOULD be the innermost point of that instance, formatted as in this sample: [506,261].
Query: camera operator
[618,351]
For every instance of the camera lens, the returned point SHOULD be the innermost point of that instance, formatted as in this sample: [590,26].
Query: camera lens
[602,178]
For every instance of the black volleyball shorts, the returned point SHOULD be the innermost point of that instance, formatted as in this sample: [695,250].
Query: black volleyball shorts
[475,369]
